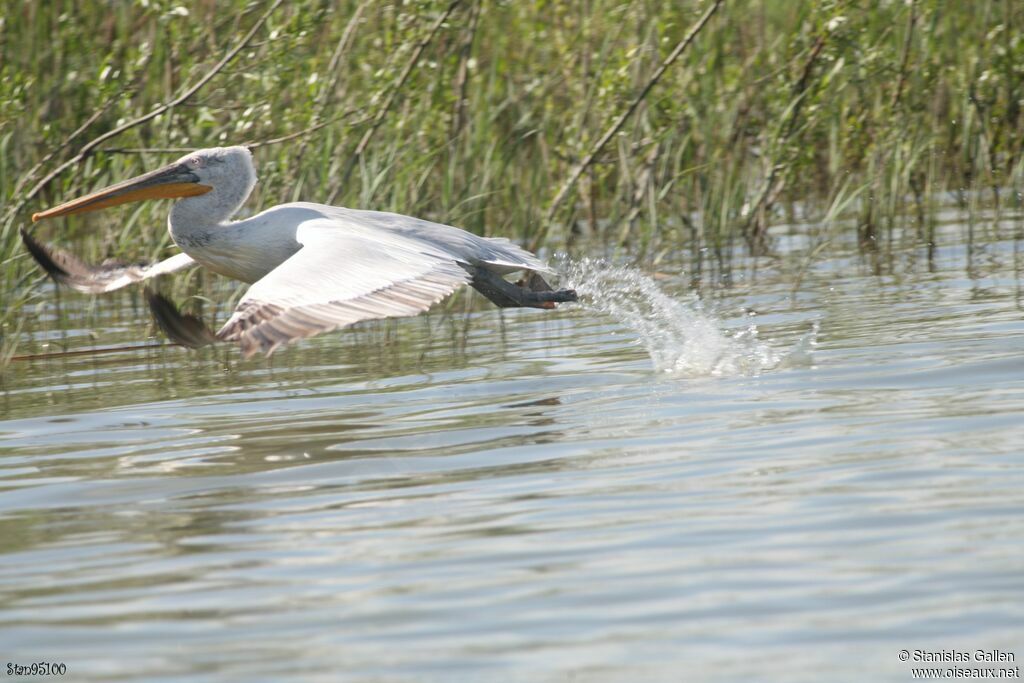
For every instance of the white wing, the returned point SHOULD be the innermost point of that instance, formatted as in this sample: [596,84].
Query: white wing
[343,273]
[498,252]
[69,270]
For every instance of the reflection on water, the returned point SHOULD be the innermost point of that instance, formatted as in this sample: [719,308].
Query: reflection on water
[475,494]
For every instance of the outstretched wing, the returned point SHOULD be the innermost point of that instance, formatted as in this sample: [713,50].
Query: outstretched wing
[341,275]
[68,270]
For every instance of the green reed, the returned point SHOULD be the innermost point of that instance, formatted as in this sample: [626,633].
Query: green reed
[477,112]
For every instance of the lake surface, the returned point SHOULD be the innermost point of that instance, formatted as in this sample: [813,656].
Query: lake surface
[640,488]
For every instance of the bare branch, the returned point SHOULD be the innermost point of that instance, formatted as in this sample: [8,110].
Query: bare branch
[776,178]
[578,170]
[333,70]
[462,74]
[252,144]
[93,351]
[393,95]
[905,59]
[147,150]
[305,131]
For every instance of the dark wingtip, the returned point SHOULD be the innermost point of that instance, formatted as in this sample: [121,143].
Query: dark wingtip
[44,257]
[187,330]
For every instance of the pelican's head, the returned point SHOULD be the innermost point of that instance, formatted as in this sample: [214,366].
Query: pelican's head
[214,181]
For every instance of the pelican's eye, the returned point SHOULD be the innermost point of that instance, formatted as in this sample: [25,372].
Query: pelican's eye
[195,162]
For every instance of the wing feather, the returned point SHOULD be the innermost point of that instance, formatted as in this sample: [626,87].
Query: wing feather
[340,276]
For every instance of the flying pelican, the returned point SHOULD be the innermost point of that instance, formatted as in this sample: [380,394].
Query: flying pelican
[313,267]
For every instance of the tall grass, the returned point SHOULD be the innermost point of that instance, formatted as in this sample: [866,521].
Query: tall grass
[477,117]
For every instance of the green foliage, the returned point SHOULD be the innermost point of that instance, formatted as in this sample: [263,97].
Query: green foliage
[777,103]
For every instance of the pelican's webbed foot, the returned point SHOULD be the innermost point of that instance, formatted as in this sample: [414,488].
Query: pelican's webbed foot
[185,329]
[530,292]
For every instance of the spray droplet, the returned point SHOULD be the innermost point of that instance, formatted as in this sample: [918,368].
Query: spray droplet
[680,337]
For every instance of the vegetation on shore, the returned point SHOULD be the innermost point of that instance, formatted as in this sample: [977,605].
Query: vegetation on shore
[518,118]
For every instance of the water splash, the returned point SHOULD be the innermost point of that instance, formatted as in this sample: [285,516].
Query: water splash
[680,337]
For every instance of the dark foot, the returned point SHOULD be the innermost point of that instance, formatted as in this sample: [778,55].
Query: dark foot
[187,330]
[530,292]
[535,282]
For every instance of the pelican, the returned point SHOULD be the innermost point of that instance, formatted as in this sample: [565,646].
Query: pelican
[312,268]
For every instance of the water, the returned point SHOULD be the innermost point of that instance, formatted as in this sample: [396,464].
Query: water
[680,338]
[533,495]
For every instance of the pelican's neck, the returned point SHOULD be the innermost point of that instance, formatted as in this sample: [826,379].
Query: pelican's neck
[192,218]
[206,211]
